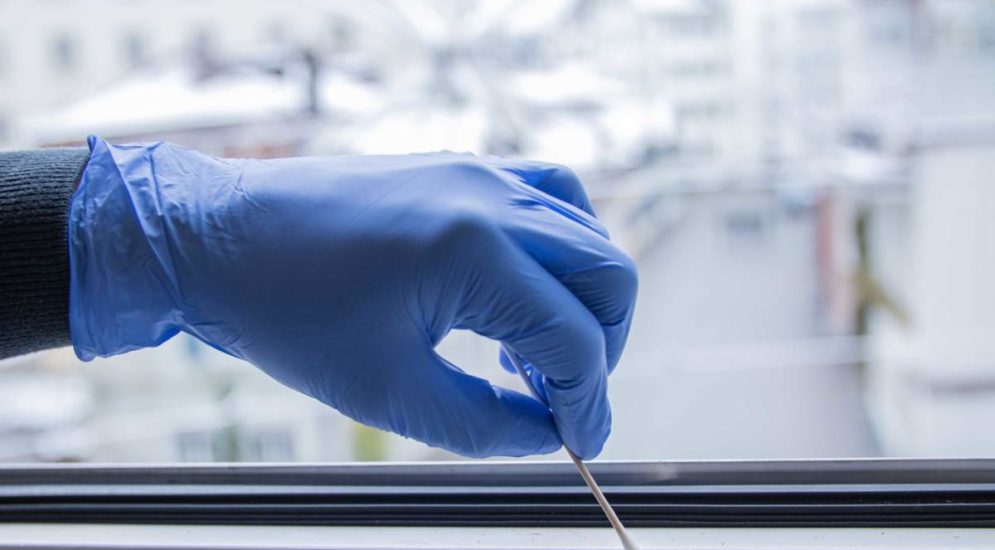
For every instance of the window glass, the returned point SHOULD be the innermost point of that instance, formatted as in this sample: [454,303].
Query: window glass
[805,187]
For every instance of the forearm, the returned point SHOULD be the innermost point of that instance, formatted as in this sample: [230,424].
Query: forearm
[35,190]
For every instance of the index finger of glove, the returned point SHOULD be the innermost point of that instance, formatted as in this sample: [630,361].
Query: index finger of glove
[511,298]
[555,180]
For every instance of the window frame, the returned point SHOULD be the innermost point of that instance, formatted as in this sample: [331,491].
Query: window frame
[781,493]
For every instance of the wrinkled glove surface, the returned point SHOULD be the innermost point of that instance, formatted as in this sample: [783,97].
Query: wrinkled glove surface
[338,276]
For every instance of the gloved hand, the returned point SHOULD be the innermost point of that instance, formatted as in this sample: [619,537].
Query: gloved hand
[338,276]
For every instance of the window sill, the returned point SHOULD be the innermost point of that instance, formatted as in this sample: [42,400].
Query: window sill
[245,537]
[727,494]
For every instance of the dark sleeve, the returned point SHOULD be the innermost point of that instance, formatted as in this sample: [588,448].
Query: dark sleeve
[35,188]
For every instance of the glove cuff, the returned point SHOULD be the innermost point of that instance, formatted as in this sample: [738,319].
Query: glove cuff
[121,297]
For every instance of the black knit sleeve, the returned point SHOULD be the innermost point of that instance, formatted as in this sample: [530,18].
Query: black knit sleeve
[35,188]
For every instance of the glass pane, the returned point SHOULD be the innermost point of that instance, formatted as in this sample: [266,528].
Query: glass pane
[805,187]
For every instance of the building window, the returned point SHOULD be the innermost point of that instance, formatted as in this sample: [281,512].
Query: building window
[341,34]
[747,227]
[202,43]
[196,446]
[691,25]
[134,49]
[276,32]
[269,445]
[63,53]
[698,110]
[696,68]
[986,33]
[697,148]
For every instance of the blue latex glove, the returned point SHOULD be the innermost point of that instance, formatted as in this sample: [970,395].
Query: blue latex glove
[338,276]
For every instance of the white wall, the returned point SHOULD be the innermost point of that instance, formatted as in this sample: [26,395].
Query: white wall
[933,382]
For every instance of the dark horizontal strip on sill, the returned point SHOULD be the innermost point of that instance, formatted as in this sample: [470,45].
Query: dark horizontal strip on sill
[761,494]
[522,515]
[518,474]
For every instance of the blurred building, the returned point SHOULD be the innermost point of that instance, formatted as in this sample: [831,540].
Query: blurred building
[933,371]
[803,184]
[54,52]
